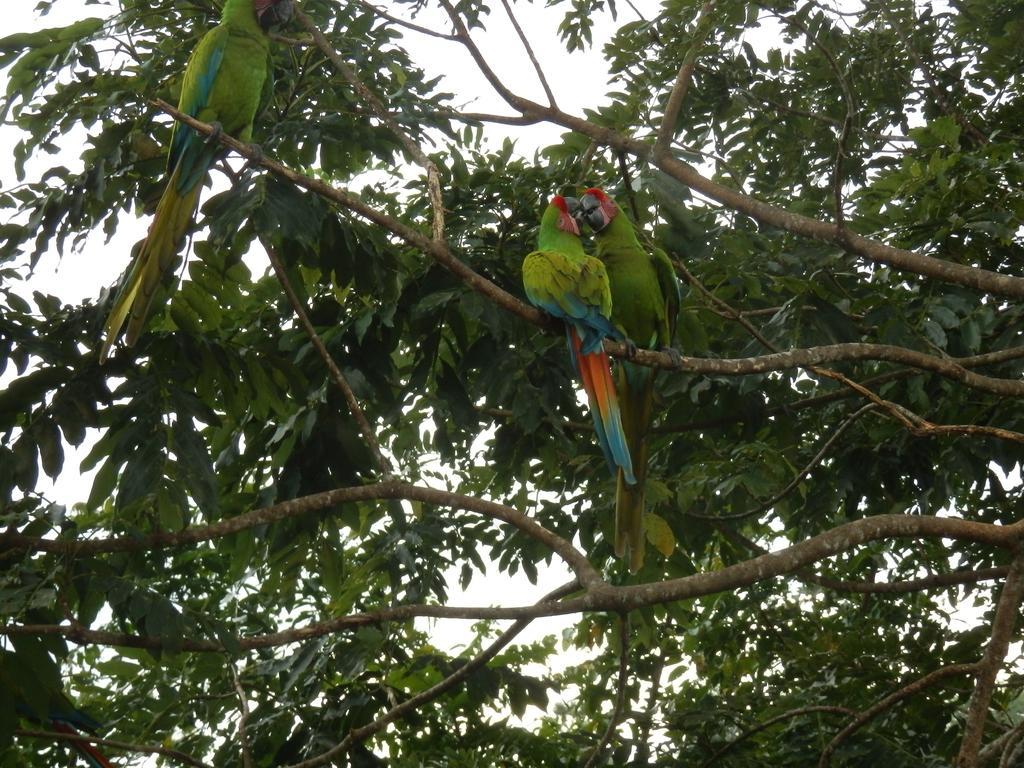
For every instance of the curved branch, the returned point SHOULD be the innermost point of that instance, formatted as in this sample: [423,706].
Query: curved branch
[306,505]
[938,675]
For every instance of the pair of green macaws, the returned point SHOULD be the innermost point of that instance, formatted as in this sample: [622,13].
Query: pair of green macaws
[625,292]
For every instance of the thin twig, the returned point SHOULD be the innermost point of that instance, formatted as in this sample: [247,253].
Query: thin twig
[243,718]
[620,694]
[127,746]
[991,662]
[378,107]
[791,486]
[413,703]
[682,84]
[754,730]
[851,109]
[383,463]
[529,52]
[867,715]
[643,756]
[407,24]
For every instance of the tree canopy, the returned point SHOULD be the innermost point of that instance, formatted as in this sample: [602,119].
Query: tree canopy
[313,447]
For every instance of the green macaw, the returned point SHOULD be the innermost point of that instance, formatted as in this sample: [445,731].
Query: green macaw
[645,306]
[227,78]
[562,280]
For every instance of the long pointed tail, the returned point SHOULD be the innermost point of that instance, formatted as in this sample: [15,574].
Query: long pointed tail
[92,756]
[155,257]
[595,373]
[636,390]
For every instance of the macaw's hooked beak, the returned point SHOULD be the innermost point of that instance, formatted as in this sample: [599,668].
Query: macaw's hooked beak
[591,213]
[273,13]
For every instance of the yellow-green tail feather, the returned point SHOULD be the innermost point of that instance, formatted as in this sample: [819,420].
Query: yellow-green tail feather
[155,257]
[636,400]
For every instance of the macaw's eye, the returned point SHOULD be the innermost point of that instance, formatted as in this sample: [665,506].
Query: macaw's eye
[274,14]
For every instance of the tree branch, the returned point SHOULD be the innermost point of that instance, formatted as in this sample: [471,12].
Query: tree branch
[674,103]
[243,718]
[383,463]
[127,746]
[306,505]
[408,706]
[864,717]
[754,730]
[988,667]
[407,24]
[529,52]
[368,96]
[620,694]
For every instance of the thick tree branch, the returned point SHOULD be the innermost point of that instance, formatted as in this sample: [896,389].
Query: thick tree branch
[1005,743]
[991,662]
[869,714]
[413,703]
[382,462]
[598,596]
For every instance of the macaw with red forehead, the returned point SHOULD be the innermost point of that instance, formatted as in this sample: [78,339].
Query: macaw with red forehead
[645,306]
[563,281]
[227,78]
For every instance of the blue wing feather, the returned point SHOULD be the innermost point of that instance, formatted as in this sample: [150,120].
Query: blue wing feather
[186,147]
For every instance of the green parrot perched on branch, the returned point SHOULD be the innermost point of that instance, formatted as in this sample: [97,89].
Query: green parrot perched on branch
[562,280]
[227,78]
[645,306]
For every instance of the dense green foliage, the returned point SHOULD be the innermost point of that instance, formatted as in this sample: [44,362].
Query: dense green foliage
[224,406]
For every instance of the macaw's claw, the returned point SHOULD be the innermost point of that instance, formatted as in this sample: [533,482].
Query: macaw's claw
[257,156]
[214,136]
[631,348]
[673,353]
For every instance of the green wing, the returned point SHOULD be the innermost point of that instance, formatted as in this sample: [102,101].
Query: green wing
[669,284]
